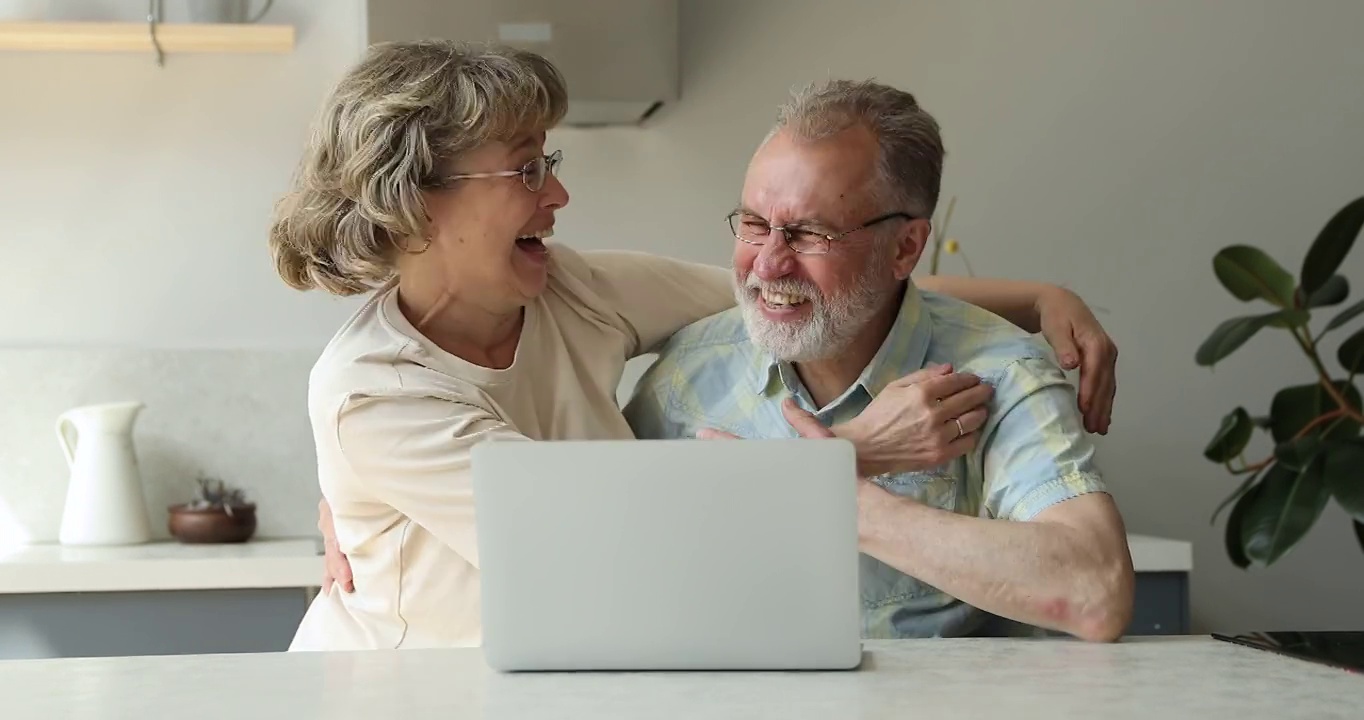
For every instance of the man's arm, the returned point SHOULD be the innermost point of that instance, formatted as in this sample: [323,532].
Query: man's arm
[1052,551]
[1068,569]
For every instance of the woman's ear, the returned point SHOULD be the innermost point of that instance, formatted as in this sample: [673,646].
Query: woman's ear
[416,242]
[909,247]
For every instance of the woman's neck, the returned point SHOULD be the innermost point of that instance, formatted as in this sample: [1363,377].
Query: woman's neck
[460,327]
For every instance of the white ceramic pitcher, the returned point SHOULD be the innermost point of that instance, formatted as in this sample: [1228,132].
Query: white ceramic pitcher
[104,502]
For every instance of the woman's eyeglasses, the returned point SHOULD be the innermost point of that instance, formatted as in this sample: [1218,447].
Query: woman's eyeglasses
[533,173]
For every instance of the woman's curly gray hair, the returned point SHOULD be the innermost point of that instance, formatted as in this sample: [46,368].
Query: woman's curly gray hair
[399,117]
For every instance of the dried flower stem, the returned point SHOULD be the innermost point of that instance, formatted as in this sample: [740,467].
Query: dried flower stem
[940,236]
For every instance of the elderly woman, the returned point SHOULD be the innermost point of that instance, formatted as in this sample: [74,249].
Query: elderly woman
[427,185]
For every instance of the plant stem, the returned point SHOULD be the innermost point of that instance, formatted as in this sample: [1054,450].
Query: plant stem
[940,236]
[1310,348]
[969,271]
[1338,421]
[1251,468]
[1326,417]
[1338,415]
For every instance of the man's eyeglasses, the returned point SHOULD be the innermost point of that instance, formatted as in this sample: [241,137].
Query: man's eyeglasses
[533,173]
[755,230]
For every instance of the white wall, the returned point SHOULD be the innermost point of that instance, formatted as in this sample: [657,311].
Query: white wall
[136,198]
[1112,147]
[134,201]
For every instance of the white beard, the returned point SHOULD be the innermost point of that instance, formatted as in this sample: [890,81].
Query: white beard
[833,321]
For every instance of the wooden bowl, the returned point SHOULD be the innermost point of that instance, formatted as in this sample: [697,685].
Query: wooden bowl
[212,525]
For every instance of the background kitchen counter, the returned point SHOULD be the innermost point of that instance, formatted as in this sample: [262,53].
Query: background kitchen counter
[161,566]
[169,598]
[161,598]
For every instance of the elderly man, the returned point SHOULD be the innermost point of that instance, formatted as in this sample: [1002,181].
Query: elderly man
[1004,519]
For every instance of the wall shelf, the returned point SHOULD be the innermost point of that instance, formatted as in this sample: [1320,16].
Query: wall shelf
[135,37]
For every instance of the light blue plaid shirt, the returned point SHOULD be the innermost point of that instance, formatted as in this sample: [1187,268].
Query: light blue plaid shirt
[1034,453]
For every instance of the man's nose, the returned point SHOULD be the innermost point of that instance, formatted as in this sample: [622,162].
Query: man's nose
[776,259]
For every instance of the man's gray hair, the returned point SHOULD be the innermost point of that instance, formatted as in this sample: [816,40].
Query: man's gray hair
[911,157]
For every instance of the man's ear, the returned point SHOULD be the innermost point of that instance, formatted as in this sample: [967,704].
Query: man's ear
[909,248]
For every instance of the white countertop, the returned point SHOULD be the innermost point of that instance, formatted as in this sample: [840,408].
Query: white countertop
[280,563]
[283,563]
[1153,554]
[1169,678]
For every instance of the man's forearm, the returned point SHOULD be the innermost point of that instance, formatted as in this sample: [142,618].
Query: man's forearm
[1013,300]
[1042,573]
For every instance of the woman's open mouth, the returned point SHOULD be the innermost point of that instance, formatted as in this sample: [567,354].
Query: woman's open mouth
[533,245]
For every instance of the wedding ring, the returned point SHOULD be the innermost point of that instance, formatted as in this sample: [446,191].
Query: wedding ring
[960,431]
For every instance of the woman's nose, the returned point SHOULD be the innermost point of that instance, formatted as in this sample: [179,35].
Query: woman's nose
[553,195]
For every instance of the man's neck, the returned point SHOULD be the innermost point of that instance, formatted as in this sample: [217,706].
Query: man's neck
[828,379]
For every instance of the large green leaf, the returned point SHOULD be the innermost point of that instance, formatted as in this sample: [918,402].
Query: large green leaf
[1231,437]
[1333,243]
[1294,407]
[1344,473]
[1287,319]
[1344,316]
[1296,454]
[1232,334]
[1351,352]
[1248,273]
[1285,507]
[1235,528]
[1333,292]
[1235,525]
[1234,496]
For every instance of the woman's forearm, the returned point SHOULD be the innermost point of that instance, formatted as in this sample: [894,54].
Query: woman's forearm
[1014,300]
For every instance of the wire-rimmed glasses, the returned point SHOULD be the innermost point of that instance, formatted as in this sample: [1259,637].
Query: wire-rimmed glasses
[533,173]
[756,230]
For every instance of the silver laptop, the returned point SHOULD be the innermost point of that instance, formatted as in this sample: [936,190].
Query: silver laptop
[668,555]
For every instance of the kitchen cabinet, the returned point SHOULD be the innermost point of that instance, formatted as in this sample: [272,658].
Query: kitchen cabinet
[47,625]
[155,599]
[1162,593]
[172,599]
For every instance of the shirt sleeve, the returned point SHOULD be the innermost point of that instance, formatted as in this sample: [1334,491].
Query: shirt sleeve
[1037,453]
[657,296]
[647,412]
[413,454]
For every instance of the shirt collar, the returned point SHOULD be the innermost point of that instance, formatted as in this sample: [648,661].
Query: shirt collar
[905,347]
[902,352]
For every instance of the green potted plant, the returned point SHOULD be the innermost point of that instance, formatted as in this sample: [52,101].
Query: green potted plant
[1315,452]
[216,514]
